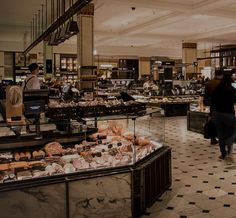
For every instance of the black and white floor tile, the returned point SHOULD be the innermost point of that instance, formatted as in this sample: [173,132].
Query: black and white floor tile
[202,185]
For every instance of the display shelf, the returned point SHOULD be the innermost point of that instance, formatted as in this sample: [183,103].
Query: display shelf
[88,77]
[68,77]
[172,105]
[68,63]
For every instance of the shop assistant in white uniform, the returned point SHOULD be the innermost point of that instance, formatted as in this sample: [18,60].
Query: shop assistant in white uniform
[32,80]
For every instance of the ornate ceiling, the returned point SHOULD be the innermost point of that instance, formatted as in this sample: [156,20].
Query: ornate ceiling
[136,27]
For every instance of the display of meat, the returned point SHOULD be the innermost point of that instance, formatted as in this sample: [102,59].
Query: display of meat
[128,135]
[20,164]
[112,146]
[68,151]
[17,156]
[50,170]
[142,141]
[22,155]
[4,167]
[38,154]
[28,155]
[69,168]
[37,163]
[53,148]
[69,158]
[39,173]
[77,163]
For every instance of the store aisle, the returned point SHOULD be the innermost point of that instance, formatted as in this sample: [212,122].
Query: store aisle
[202,185]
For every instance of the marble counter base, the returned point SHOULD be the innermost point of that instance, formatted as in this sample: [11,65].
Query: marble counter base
[39,202]
[103,197]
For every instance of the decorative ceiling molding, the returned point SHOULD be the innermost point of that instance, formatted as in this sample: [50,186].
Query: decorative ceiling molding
[157,4]
[214,33]
[209,5]
[118,50]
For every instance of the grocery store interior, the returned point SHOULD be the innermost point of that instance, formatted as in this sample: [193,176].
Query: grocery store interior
[116,128]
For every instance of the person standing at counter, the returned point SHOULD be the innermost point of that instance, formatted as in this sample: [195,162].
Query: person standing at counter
[31,83]
[223,114]
[32,80]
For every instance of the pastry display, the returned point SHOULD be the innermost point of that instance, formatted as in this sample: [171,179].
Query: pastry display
[170,99]
[5,157]
[61,104]
[38,154]
[92,107]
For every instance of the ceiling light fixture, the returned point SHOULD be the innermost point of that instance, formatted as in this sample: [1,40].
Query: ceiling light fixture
[72,29]
[63,16]
[63,33]
[52,39]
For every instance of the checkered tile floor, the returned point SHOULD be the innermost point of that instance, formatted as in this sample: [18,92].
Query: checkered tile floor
[202,185]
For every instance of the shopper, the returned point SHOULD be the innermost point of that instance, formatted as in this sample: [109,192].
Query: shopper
[209,88]
[32,80]
[222,104]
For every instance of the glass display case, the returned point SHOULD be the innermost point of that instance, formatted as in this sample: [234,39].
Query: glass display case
[130,138]
[63,146]
[73,161]
[172,105]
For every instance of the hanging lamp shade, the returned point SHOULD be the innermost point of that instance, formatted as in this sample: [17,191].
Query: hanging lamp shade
[72,29]
[52,39]
[58,38]
[62,35]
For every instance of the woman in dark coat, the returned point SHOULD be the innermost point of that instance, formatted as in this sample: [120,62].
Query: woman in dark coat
[222,103]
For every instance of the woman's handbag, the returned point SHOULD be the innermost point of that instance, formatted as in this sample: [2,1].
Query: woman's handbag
[209,129]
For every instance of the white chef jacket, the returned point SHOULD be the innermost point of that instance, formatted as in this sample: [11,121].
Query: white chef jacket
[31,82]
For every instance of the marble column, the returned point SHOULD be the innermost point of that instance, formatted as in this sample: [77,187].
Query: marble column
[144,66]
[85,41]
[189,58]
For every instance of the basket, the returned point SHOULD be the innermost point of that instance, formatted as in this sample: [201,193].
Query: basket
[134,108]
[62,113]
[114,110]
[91,111]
